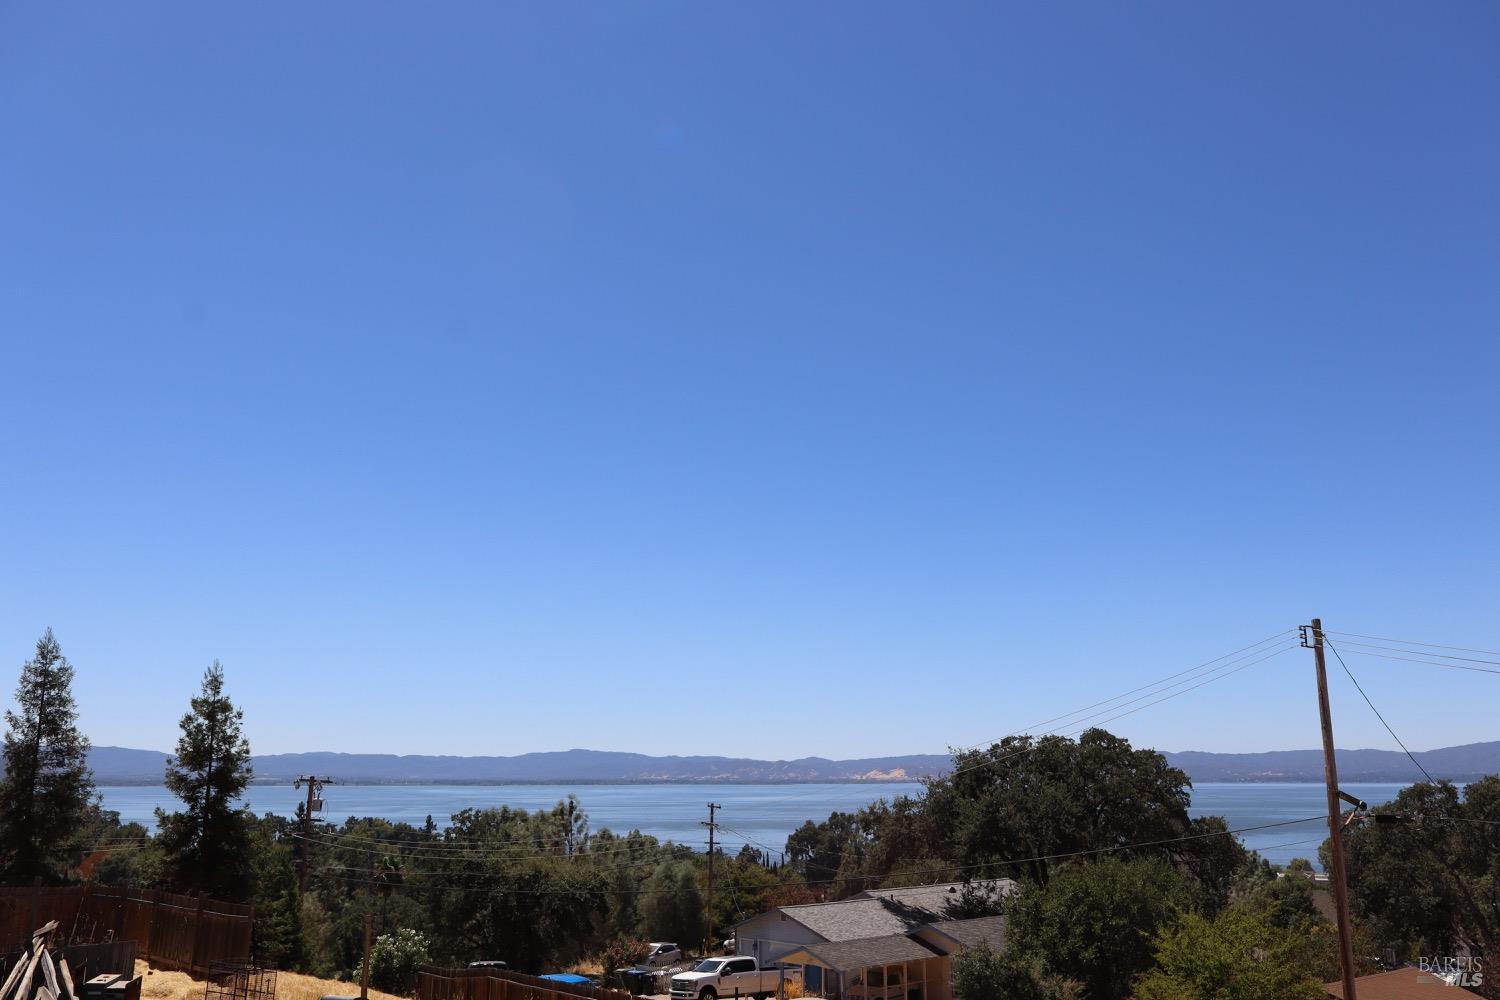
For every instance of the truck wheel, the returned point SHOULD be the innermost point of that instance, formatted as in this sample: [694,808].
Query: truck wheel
[708,994]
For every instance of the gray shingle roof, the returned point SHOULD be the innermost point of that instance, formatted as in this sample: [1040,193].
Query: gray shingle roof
[850,919]
[968,933]
[878,912]
[935,899]
[860,953]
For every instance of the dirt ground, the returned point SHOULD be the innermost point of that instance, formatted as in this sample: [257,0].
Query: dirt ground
[162,985]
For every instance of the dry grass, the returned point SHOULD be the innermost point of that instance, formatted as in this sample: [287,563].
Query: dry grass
[163,985]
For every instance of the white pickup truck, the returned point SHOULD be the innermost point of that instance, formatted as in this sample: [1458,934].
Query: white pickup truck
[738,976]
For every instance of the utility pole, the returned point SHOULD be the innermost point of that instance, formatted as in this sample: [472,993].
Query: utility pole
[1335,828]
[314,804]
[364,967]
[712,826]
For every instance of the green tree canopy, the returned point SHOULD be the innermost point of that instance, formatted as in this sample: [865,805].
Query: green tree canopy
[1431,885]
[982,973]
[48,790]
[1019,809]
[672,905]
[1027,798]
[1239,955]
[208,844]
[1097,922]
[528,894]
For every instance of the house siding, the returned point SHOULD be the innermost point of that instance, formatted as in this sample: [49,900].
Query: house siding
[769,936]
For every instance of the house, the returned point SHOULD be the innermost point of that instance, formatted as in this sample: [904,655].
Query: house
[873,913]
[1397,984]
[884,944]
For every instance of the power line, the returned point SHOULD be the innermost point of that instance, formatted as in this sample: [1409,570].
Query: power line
[1413,642]
[1040,741]
[1422,652]
[900,874]
[1430,663]
[470,853]
[1215,674]
[1252,653]
[463,851]
[1208,667]
[1143,687]
[989,761]
[1084,725]
[1122,704]
[1464,819]
[1366,697]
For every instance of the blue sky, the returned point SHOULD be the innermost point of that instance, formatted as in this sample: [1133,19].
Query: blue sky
[760,379]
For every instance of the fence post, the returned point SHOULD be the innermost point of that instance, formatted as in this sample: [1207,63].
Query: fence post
[36,902]
[197,932]
[150,925]
[83,905]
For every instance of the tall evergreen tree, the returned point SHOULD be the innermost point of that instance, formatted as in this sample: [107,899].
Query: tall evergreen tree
[208,845]
[48,788]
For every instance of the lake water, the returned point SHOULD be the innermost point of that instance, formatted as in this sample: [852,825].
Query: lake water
[763,814]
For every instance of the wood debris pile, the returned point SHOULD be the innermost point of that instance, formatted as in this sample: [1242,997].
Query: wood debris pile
[38,975]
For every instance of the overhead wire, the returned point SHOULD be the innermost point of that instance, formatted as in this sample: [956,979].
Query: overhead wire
[1217,669]
[473,853]
[1419,652]
[1185,681]
[1143,687]
[1066,855]
[1410,756]
[1220,667]
[1410,659]
[1411,642]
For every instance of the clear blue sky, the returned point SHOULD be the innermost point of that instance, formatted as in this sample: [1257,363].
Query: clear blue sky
[481,378]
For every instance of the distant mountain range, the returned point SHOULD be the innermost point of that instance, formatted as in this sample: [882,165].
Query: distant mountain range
[1465,763]
[122,766]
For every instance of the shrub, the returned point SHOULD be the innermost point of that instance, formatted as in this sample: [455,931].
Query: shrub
[621,953]
[394,960]
[981,973]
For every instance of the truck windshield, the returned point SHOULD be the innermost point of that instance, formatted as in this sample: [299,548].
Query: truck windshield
[709,965]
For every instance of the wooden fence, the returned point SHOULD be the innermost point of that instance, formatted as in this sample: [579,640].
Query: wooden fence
[170,931]
[497,984]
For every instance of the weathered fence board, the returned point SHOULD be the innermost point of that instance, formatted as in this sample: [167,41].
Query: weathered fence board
[170,930]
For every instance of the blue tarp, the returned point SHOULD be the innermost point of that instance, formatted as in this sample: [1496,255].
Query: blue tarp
[567,977]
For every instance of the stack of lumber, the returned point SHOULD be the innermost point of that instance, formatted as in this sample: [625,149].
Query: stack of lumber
[38,976]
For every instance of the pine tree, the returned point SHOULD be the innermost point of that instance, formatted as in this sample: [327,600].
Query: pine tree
[48,788]
[208,845]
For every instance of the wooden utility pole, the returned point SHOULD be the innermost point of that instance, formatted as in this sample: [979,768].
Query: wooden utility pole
[364,967]
[712,826]
[364,970]
[314,804]
[1335,828]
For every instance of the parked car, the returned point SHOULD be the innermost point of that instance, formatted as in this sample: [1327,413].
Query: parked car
[490,963]
[739,975]
[660,953]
